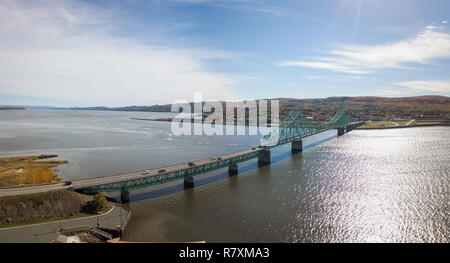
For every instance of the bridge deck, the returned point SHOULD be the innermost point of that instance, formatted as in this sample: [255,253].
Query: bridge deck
[174,172]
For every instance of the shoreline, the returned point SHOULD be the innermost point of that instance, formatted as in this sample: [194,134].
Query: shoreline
[198,121]
[409,126]
[11,108]
[268,125]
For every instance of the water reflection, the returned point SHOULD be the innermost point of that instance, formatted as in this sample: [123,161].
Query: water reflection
[365,186]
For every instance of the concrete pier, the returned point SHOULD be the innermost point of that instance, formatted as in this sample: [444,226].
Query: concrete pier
[125,197]
[348,128]
[188,182]
[297,146]
[264,158]
[233,169]
[341,131]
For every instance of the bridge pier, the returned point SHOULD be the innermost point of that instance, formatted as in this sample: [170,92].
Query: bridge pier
[124,197]
[264,158]
[348,128]
[297,146]
[341,131]
[233,169]
[189,182]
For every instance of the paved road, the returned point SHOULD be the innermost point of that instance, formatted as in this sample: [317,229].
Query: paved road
[46,232]
[411,121]
[118,178]
[31,189]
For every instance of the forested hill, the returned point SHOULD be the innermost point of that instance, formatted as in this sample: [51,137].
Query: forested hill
[356,106]
[11,108]
[372,106]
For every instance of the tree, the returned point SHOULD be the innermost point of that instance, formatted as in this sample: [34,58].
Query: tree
[99,202]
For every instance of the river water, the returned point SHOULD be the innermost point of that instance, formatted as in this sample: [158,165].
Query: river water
[366,186]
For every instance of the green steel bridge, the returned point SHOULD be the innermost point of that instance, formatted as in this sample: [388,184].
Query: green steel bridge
[296,127]
[292,129]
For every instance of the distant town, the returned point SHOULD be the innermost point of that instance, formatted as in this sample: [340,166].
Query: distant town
[377,112]
[425,110]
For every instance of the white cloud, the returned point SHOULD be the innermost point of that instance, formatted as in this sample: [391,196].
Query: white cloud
[426,85]
[425,47]
[335,78]
[411,88]
[70,51]
[322,65]
[444,22]
[254,6]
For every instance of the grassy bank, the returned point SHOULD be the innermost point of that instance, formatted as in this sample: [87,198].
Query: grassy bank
[48,206]
[24,171]
[404,123]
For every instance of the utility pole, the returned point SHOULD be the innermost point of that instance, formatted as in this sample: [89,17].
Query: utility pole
[98,223]
[121,226]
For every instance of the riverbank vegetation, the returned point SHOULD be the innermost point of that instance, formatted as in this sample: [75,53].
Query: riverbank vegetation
[396,123]
[23,171]
[49,206]
[11,108]
[322,109]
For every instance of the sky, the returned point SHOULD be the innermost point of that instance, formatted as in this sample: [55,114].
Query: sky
[115,53]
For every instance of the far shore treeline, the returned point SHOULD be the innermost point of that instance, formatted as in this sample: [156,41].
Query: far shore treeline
[11,108]
[322,108]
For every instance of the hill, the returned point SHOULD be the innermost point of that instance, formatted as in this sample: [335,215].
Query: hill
[371,107]
[358,107]
[11,108]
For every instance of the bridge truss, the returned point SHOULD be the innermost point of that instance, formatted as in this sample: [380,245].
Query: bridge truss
[296,127]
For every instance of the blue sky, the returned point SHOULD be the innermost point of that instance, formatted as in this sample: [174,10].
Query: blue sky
[115,53]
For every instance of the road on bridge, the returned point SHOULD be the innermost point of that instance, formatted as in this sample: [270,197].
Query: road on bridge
[119,178]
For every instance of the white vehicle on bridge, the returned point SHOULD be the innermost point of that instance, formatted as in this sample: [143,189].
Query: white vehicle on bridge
[146,172]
